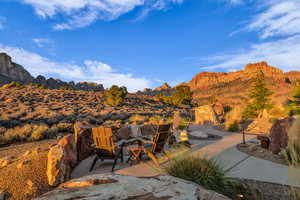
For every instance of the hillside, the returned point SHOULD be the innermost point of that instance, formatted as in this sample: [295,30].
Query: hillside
[10,71]
[231,88]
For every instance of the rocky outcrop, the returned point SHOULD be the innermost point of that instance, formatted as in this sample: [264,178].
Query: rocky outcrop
[83,140]
[209,114]
[62,157]
[10,71]
[112,186]
[165,86]
[279,134]
[232,88]
[260,125]
[13,71]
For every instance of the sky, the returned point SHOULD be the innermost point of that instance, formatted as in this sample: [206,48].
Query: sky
[144,43]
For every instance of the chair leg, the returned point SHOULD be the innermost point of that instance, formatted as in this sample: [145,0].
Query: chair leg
[122,155]
[115,162]
[152,157]
[94,162]
[129,158]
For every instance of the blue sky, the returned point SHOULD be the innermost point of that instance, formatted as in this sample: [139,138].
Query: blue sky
[144,43]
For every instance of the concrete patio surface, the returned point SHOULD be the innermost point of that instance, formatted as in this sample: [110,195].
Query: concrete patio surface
[236,163]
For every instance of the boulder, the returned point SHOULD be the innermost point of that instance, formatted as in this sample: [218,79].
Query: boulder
[83,140]
[279,134]
[69,146]
[113,186]
[260,125]
[206,115]
[58,169]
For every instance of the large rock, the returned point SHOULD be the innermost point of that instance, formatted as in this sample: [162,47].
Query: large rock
[83,140]
[260,125]
[209,114]
[61,158]
[108,186]
[279,134]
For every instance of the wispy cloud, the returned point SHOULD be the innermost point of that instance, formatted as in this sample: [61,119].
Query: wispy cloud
[94,71]
[277,25]
[281,18]
[81,13]
[284,53]
[42,42]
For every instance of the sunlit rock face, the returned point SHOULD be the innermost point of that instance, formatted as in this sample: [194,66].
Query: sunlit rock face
[112,186]
[12,70]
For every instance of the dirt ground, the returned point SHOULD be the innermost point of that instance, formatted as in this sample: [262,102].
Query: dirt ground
[25,178]
[256,151]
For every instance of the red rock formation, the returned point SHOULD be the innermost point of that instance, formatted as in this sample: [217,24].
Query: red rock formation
[233,86]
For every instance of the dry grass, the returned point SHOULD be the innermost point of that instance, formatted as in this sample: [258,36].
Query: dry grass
[27,133]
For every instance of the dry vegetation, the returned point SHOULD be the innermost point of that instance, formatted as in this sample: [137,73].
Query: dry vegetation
[30,113]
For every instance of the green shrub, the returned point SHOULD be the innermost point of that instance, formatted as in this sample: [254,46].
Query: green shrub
[182,95]
[293,106]
[207,173]
[234,127]
[12,84]
[115,96]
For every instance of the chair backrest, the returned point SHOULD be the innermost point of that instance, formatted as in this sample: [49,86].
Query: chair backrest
[160,138]
[103,139]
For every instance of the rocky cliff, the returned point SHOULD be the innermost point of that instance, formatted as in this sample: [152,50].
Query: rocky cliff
[232,87]
[10,71]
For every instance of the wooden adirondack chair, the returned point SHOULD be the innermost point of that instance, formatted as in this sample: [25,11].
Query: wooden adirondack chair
[151,148]
[105,147]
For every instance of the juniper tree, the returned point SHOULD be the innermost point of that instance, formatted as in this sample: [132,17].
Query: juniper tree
[259,97]
[115,96]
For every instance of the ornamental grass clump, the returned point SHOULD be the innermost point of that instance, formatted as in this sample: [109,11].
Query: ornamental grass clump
[209,174]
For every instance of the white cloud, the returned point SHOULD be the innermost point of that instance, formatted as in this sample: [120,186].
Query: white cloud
[278,26]
[279,18]
[42,42]
[93,71]
[81,13]
[284,53]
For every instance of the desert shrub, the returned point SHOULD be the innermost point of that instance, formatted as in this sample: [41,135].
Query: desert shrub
[259,98]
[235,115]
[292,152]
[12,84]
[182,95]
[157,119]
[207,173]
[62,127]
[28,132]
[234,127]
[38,132]
[115,96]
[184,122]
[136,119]
[293,106]
[66,88]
